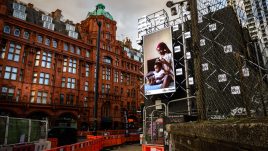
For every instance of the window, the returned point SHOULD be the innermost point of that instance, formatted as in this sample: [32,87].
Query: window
[86,102]
[26,35]
[122,78]
[37,58]
[18,95]
[17,32]
[86,86]
[71,83]
[47,42]
[46,60]
[61,98]
[108,36]
[65,46]
[11,73]
[7,93]
[108,87]
[3,50]
[39,39]
[102,88]
[54,43]
[32,96]
[42,97]
[108,25]
[117,62]
[35,77]
[116,88]
[128,79]
[44,78]
[72,66]
[116,73]
[78,50]
[95,72]
[65,65]
[106,73]
[87,70]
[14,52]
[63,82]
[87,54]
[6,29]
[70,99]
[1,71]
[72,48]
[21,75]
[107,60]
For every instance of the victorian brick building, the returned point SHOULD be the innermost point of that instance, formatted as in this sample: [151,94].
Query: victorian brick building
[47,67]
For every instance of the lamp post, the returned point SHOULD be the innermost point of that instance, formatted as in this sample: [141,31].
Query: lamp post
[96,94]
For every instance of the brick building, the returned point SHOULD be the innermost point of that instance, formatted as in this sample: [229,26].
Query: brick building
[47,67]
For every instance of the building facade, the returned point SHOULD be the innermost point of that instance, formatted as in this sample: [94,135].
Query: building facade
[256,13]
[47,68]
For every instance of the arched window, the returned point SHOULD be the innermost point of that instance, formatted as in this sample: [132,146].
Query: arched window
[107,59]
[7,29]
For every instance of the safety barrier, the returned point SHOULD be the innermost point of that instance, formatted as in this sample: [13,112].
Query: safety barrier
[97,143]
[152,147]
[54,142]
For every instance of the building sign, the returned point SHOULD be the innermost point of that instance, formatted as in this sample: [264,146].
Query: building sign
[158,63]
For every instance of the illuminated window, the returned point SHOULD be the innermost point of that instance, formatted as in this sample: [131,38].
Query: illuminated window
[65,65]
[14,52]
[37,58]
[35,77]
[3,50]
[32,98]
[11,73]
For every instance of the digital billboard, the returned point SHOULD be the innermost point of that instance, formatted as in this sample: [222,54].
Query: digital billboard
[158,63]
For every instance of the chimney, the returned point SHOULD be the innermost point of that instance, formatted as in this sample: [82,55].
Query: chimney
[57,15]
[30,5]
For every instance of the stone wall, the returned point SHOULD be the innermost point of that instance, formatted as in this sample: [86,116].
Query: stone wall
[227,135]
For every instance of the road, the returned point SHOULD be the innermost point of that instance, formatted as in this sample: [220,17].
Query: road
[126,147]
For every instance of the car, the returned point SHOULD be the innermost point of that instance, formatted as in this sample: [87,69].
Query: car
[65,135]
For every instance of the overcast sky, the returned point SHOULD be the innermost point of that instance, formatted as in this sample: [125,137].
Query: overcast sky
[124,12]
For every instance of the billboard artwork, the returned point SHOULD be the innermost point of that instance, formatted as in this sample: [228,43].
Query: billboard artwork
[158,63]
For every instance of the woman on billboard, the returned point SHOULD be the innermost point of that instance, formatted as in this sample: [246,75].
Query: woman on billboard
[163,73]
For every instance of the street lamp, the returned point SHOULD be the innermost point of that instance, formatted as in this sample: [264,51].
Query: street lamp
[96,94]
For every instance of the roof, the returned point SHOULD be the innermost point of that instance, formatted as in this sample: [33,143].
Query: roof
[100,10]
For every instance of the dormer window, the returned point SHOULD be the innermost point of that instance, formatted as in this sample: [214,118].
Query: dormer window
[70,27]
[7,29]
[19,11]
[47,22]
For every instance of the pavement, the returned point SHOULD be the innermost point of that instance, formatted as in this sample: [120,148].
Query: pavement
[126,147]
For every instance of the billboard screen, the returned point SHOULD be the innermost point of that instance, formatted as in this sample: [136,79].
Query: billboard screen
[158,63]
